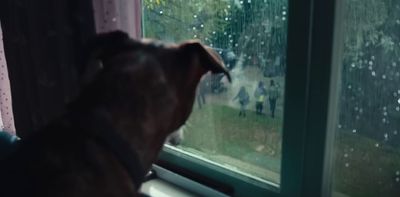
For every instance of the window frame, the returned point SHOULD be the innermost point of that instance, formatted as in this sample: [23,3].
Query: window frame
[311,80]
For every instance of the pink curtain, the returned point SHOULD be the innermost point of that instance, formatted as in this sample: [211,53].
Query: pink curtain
[6,113]
[122,15]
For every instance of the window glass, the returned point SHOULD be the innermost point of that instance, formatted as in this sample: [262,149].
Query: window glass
[367,146]
[237,125]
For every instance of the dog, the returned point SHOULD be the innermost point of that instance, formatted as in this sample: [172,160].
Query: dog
[135,95]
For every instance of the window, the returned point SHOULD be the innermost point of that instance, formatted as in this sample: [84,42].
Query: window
[236,126]
[367,144]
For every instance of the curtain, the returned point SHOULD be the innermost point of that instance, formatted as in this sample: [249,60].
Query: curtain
[122,15]
[6,112]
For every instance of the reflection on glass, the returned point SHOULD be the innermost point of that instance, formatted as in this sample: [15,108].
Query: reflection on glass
[237,125]
[367,148]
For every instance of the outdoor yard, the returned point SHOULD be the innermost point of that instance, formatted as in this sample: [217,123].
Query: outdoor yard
[252,144]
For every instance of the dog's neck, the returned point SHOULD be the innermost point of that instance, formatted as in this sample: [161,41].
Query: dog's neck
[142,138]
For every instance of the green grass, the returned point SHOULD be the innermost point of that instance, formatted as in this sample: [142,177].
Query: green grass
[253,145]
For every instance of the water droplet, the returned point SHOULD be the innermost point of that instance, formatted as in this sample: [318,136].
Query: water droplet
[385,113]
[373,73]
[371,63]
[383,120]
[383,76]
[161,12]
[195,16]
[395,132]
[353,65]
[262,43]
[372,57]
[384,108]
[354,131]
[349,86]
[369,67]
[226,18]
[201,25]
[397,108]
[394,64]
[248,1]
[283,18]
[377,145]
[346,155]
[214,32]
[347,165]
[241,2]
[194,28]
[195,36]
[398,101]
[114,19]
[284,13]
[398,173]
[351,149]
[386,136]
[397,179]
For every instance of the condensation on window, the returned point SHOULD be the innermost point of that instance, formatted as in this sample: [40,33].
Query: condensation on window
[237,125]
[367,144]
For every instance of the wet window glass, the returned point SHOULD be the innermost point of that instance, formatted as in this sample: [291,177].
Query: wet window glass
[237,125]
[367,147]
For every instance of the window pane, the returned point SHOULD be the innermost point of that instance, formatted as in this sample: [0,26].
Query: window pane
[367,147]
[237,125]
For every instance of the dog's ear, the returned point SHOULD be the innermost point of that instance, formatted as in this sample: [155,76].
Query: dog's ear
[207,58]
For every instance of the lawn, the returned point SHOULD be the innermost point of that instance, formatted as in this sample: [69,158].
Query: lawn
[252,144]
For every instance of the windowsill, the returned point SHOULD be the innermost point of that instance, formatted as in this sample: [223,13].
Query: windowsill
[168,184]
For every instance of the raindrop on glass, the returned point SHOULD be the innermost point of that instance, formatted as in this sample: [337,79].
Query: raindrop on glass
[385,113]
[397,108]
[370,67]
[395,132]
[114,19]
[397,179]
[398,101]
[394,64]
[283,18]
[195,16]
[241,2]
[353,65]
[397,173]
[284,13]
[195,36]
[370,63]
[383,76]
[354,131]
[226,18]
[201,25]
[377,145]
[386,136]
[161,12]
[373,73]
[347,165]
[346,155]
[194,28]
[214,32]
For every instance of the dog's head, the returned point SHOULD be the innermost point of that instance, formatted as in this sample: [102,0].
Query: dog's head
[147,80]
